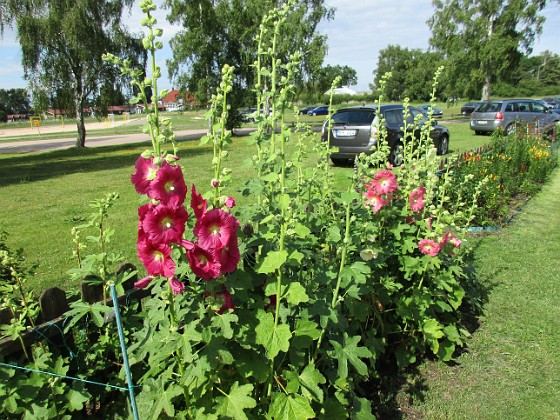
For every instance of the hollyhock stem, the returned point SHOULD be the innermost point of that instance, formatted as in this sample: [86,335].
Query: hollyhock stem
[171,306]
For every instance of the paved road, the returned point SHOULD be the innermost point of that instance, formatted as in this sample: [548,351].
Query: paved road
[95,141]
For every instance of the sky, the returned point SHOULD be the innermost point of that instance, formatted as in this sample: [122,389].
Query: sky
[358,32]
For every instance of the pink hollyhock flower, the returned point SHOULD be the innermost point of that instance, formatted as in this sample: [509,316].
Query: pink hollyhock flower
[229,202]
[177,287]
[416,199]
[198,204]
[215,228]
[456,242]
[449,237]
[384,182]
[168,187]
[374,200]
[142,283]
[145,172]
[165,224]
[229,256]
[225,299]
[203,263]
[156,258]
[429,247]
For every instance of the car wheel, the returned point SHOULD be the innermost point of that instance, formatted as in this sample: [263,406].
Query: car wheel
[443,146]
[511,129]
[339,162]
[479,133]
[314,114]
[396,157]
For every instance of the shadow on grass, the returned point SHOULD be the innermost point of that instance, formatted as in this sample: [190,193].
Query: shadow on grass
[38,167]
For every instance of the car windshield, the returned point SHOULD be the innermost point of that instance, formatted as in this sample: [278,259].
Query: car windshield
[353,117]
[489,107]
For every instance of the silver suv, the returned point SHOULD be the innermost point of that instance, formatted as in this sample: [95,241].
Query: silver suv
[508,114]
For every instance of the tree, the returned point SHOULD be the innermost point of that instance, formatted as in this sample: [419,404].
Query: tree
[483,40]
[327,74]
[14,101]
[412,72]
[62,42]
[219,32]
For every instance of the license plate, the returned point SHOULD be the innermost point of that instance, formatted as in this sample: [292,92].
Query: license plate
[345,133]
[483,122]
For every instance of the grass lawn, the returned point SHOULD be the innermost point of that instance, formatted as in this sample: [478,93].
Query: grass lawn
[510,369]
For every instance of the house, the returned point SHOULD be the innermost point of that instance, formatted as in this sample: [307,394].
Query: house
[344,90]
[175,101]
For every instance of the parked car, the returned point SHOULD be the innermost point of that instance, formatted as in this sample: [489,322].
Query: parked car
[247,114]
[469,107]
[551,102]
[306,109]
[437,113]
[320,110]
[507,114]
[355,130]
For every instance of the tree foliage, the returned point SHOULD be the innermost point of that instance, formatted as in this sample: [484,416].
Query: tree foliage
[322,81]
[14,101]
[412,72]
[219,32]
[62,42]
[483,40]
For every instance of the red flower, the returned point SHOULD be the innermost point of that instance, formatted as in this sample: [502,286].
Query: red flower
[176,286]
[225,299]
[215,228]
[383,182]
[140,284]
[198,204]
[429,247]
[203,263]
[416,199]
[165,224]
[229,202]
[145,172]
[229,256]
[169,185]
[375,200]
[156,258]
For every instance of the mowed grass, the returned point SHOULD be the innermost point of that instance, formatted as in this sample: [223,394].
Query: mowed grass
[42,196]
[510,368]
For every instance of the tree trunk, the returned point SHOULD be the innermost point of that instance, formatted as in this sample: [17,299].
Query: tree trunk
[79,103]
[486,89]
[487,77]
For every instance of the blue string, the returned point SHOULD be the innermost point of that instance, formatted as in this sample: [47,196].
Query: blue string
[62,376]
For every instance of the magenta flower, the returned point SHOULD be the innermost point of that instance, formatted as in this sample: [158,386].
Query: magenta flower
[176,286]
[145,172]
[203,263]
[225,299]
[165,224]
[168,187]
[142,283]
[416,199]
[374,200]
[429,247]
[198,204]
[156,258]
[383,182]
[229,256]
[215,228]
[449,237]
[229,202]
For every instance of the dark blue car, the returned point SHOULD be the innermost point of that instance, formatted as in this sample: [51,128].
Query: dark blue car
[320,110]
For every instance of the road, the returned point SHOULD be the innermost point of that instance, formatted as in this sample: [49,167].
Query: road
[34,146]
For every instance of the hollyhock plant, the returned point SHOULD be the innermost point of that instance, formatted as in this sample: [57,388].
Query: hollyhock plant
[383,182]
[169,186]
[145,172]
[156,258]
[374,200]
[165,224]
[225,299]
[416,199]
[142,283]
[429,247]
[215,228]
[229,256]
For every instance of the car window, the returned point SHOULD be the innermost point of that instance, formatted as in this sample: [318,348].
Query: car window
[490,107]
[511,107]
[415,117]
[537,107]
[391,117]
[524,107]
[353,117]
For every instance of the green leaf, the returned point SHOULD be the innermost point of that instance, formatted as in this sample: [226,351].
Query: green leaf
[445,351]
[304,327]
[234,404]
[76,399]
[223,323]
[273,338]
[287,407]
[362,410]
[350,352]
[272,262]
[296,294]
[301,230]
[333,234]
[310,379]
